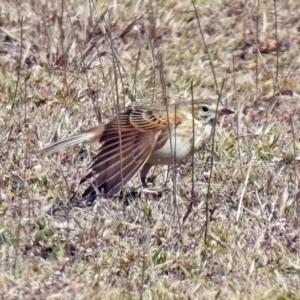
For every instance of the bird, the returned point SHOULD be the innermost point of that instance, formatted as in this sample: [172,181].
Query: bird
[141,137]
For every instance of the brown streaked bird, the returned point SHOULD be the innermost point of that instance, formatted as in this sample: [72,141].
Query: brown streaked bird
[140,138]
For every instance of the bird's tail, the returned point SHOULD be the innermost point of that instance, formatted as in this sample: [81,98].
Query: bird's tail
[88,136]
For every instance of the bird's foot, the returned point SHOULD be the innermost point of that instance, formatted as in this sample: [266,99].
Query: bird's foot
[153,193]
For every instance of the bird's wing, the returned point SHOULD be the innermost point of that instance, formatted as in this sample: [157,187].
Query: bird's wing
[127,143]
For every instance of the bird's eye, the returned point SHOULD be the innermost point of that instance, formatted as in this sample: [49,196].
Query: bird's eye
[205,109]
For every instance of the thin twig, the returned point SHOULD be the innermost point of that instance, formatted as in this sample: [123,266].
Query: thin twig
[213,133]
[238,213]
[277,48]
[211,169]
[294,152]
[237,120]
[17,246]
[206,48]
[193,162]
[256,52]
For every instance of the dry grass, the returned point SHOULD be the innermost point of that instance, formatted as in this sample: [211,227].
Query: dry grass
[65,66]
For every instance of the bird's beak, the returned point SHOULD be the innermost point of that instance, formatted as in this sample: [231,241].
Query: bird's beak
[225,111]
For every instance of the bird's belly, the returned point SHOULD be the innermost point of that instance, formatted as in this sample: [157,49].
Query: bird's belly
[179,150]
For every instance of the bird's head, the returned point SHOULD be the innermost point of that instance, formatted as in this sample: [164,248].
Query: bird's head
[208,111]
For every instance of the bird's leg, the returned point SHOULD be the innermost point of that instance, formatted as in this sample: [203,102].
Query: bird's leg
[150,193]
[144,171]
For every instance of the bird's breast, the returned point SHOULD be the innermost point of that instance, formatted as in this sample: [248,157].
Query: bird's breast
[184,142]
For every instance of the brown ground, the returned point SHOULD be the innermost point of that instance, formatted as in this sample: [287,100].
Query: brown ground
[67,65]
